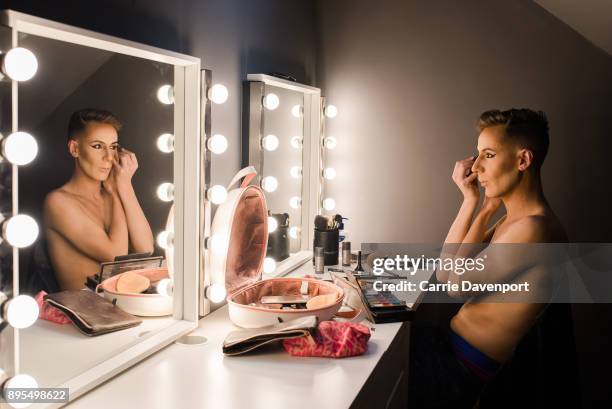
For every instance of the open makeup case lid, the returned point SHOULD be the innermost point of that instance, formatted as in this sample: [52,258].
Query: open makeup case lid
[239,234]
[240,240]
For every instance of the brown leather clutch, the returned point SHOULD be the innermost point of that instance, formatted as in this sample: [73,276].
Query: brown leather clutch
[92,314]
[246,340]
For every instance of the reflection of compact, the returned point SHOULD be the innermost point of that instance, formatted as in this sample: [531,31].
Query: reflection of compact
[124,289]
[134,261]
[278,239]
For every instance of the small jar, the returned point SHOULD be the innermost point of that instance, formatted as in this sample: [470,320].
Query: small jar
[346,253]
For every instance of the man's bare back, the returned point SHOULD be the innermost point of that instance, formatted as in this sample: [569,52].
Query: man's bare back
[62,206]
[495,328]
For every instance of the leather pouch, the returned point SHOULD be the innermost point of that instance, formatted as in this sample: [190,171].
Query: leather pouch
[242,341]
[92,314]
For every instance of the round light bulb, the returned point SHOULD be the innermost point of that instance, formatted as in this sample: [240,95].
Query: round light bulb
[218,243]
[21,230]
[165,94]
[329,203]
[330,142]
[217,144]
[270,142]
[295,172]
[294,232]
[297,111]
[165,240]
[165,192]
[296,142]
[329,173]
[21,381]
[271,101]
[20,64]
[331,111]
[269,265]
[20,148]
[165,143]
[216,293]
[165,286]
[272,224]
[22,311]
[269,184]
[295,202]
[218,93]
[217,194]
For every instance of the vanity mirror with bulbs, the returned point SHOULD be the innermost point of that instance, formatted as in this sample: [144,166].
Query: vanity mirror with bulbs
[59,185]
[282,141]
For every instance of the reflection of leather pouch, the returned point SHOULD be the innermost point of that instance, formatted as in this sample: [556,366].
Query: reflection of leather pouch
[240,342]
[92,314]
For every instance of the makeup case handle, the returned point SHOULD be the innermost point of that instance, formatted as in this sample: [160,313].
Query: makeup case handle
[247,173]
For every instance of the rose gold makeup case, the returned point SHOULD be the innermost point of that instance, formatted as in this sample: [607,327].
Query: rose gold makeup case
[238,248]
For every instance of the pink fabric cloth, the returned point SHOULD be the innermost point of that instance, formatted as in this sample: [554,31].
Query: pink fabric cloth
[48,312]
[332,339]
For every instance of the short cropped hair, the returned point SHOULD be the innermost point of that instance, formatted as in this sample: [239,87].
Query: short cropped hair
[527,128]
[79,120]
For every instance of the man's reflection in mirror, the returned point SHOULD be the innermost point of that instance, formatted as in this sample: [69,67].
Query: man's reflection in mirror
[95,216]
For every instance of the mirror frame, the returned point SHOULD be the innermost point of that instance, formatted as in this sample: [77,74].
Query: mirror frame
[311,155]
[186,200]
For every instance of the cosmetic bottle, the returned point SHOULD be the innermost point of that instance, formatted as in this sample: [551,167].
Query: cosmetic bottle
[319,260]
[346,253]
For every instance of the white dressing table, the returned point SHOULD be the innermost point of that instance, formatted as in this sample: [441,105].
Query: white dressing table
[200,376]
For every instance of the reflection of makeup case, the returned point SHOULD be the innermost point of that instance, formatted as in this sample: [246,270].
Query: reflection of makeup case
[240,232]
[141,304]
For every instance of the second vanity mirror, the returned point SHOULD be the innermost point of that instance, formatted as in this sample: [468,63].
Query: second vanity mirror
[282,142]
[104,167]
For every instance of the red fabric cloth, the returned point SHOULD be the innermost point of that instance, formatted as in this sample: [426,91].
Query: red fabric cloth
[332,339]
[48,312]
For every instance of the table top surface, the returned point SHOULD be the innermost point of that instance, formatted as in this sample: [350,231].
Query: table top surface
[199,375]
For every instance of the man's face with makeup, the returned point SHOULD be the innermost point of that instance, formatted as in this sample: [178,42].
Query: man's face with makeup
[497,162]
[95,149]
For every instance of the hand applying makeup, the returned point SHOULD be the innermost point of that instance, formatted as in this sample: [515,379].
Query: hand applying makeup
[465,180]
[124,167]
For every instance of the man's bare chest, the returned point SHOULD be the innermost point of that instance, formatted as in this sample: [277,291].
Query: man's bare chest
[100,212]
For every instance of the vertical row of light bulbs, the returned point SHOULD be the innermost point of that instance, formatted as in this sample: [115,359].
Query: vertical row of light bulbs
[269,183]
[217,144]
[165,144]
[19,148]
[217,194]
[328,143]
[297,142]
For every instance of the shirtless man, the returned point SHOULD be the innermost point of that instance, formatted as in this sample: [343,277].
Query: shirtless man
[512,146]
[95,216]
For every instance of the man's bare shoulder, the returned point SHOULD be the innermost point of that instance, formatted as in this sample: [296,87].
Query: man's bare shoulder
[540,228]
[58,197]
[60,204]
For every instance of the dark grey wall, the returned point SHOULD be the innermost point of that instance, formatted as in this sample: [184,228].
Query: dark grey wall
[410,79]
[232,38]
